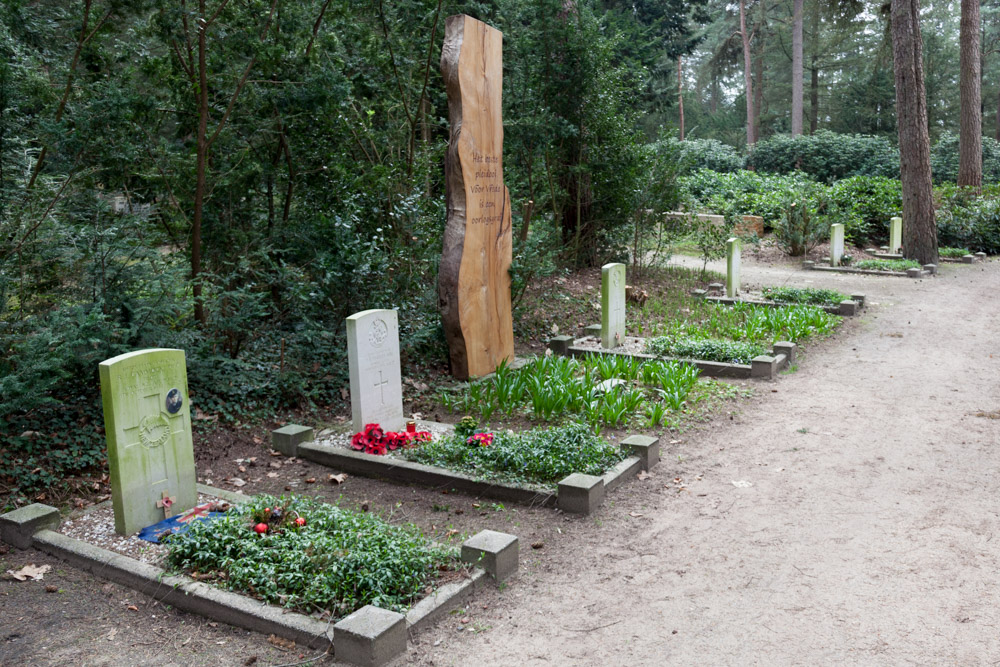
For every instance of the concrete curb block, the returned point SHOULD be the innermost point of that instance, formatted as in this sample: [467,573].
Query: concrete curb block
[809,266]
[707,368]
[442,601]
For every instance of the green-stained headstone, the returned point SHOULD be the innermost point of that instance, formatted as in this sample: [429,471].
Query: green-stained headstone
[733,246]
[147,423]
[612,305]
[836,244]
[895,234]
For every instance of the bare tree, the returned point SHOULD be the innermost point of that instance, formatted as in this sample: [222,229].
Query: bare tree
[970,143]
[919,230]
[797,67]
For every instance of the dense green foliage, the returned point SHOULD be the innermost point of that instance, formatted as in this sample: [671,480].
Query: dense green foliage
[826,156]
[338,561]
[541,456]
[953,253]
[752,322]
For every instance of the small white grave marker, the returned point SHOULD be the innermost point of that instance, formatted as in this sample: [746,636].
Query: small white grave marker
[895,235]
[836,244]
[373,360]
[612,305]
[733,267]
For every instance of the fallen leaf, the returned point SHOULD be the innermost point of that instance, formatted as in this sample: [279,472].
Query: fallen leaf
[242,469]
[257,441]
[417,416]
[741,484]
[30,572]
[337,479]
[236,481]
[311,480]
[537,545]
[345,393]
[272,474]
[111,635]
[275,464]
[643,475]
[635,515]
[51,589]
[132,607]
[274,453]
[281,642]
[450,533]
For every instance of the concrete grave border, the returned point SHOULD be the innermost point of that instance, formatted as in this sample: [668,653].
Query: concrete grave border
[765,367]
[644,455]
[809,265]
[493,555]
[847,308]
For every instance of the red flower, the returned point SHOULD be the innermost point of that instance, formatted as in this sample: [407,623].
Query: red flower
[358,441]
[481,439]
[373,440]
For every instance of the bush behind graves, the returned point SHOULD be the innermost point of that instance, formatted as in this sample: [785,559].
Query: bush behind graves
[826,156]
[338,561]
[541,455]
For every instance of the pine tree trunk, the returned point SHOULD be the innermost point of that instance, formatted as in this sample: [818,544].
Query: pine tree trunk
[814,71]
[797,67]
[919,230]
[201,165]
[751,120]
[970,143]
[680,92]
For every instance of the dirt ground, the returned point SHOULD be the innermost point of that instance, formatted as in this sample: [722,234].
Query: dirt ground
[844,516]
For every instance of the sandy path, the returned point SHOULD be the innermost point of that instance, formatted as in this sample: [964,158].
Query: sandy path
[867,536]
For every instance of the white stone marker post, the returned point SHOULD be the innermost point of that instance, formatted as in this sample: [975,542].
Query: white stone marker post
[373,361]
[612,305]
[836,244]
[733,247]
[895,235]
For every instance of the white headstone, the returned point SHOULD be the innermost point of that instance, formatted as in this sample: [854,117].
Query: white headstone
[612,305]
[373,361]
[895,235]
[836,244]
[733,267]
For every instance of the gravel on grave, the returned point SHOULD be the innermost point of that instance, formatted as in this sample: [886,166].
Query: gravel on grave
[343,439]
[97,527]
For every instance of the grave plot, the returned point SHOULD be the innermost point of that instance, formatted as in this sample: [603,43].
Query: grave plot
[901,268]
[960,256]
[294,567]
[831,301]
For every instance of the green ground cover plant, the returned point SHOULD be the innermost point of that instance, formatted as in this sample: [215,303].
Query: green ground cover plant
[953,253]
[337,561]
[751,322]
[707,349]
[540,456]
[553,389]
[813,296]
[887,264]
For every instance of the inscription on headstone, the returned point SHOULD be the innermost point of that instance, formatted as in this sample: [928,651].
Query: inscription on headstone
[612,305]
[836,244]
[474,278]
[733,267]
[147,424]
[373,361]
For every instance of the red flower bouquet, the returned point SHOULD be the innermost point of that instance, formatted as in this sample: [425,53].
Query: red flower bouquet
[480,439]
[373,440]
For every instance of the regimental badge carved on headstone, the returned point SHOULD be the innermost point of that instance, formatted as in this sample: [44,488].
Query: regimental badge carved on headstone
[474,279]
[147,424]
[373,361]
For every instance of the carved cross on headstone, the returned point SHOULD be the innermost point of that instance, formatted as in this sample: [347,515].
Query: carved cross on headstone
[381,386]
[165,503]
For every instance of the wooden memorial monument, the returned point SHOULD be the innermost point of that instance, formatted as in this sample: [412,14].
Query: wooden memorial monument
[473,282]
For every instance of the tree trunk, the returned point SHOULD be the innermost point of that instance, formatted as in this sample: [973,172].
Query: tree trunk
[201,164]
[814,71]
[970,143]
[751,120]
[680,92]
[919,230]
[797,67]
